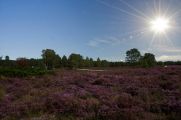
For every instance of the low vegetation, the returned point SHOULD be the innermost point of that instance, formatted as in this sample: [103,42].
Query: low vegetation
[118,93]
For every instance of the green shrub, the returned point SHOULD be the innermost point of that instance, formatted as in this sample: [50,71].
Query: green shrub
[17,72]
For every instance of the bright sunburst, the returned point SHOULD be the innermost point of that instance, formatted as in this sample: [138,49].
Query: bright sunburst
[157,22]
[160,24]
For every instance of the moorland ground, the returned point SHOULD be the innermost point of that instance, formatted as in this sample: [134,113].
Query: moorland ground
[114,94]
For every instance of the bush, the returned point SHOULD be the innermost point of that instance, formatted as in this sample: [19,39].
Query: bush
[9,72]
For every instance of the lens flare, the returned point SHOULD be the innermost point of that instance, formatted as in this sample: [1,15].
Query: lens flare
[160,24]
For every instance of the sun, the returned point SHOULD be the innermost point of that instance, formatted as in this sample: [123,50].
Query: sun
[160,24]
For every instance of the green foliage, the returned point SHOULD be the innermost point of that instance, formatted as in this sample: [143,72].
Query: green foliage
[75,60]
[133,55]
[16,72]
[86,62]
[98,62]
[104,63]
[148,60]
[57,61]
[36,63]
[64,61]
[6,58]
[91,62]
[50,58]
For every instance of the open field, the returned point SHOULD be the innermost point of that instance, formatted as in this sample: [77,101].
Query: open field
[114,94]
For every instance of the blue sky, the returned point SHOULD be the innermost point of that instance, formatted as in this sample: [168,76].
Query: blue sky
[94,28]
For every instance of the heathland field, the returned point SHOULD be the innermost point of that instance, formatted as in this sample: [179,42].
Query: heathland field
[114,94]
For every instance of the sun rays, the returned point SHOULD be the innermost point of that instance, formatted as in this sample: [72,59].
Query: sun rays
[160,21]
[159,25]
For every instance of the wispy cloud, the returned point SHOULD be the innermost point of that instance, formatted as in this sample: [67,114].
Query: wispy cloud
[165,49]
[114,40]
[93,43]
[106,41]
[169,58]
[166,52]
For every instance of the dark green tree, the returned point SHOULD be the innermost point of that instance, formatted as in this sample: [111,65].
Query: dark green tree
[49,57]
[148,60]
[7,58]
[86,62]
[75,60]
[133,55]
[6,62]
[64,61]
[104,63]
[36,63]
[98,62]
[57,61]
[91,62]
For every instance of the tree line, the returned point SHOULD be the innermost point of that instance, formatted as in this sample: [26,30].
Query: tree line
[50,60]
